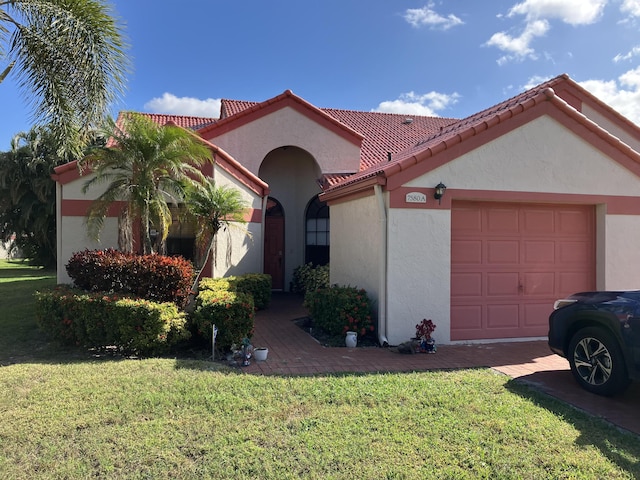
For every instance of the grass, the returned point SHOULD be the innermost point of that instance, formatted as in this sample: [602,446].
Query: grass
[65,415]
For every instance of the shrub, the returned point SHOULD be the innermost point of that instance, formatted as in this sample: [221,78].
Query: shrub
[340,309]
[231,312]
[258,285]
[98,320]
[308,278]
[152,277]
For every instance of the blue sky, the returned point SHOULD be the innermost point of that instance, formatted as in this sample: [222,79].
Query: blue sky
[447,58]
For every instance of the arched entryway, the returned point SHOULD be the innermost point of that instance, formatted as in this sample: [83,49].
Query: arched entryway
[274,243]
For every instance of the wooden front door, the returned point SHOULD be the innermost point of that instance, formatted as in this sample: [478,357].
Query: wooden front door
[274,244]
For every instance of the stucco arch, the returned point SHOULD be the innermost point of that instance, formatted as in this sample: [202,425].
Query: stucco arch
[292,174]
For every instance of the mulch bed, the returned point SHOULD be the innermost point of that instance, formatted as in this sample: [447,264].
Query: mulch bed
[328,340]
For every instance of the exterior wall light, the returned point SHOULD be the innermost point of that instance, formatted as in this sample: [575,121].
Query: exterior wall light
[440,188]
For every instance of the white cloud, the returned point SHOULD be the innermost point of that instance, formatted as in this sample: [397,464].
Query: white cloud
[427,104]
[632,7]
[573,12]
[427,16]
[537,14]
[627,56]
[622,95]
[170,104]
[519,48]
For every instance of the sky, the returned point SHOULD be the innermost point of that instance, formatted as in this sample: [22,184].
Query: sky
[448,58]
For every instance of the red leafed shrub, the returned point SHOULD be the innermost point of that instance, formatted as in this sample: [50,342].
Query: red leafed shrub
[152,277]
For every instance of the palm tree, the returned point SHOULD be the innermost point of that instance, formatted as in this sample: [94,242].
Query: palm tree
[28,195]
[212,208]
[147,166]
[68,54]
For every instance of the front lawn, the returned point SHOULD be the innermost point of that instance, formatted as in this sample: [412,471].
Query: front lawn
[70,416]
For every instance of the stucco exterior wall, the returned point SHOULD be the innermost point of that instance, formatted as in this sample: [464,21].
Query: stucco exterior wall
[542,156]
[238,249]
[74,239]
[418,272]
[286,127]
[356,245]
[621,253]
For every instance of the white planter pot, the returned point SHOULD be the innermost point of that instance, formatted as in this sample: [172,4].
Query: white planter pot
[260,354]
[351,340]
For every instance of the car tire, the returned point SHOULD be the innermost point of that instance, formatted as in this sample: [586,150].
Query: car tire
[597,362]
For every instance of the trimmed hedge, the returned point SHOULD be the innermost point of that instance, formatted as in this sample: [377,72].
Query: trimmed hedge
[231,312]
[308,278]
[341,309]
[258,285]
[152,277]
[99,320]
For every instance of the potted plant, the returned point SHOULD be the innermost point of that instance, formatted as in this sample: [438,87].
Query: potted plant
[424,329]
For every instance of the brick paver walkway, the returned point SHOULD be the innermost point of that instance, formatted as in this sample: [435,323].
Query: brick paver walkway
[292,351]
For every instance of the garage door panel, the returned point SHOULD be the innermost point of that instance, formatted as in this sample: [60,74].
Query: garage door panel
[538,222]
[467,317]
[536,315]
[539,251]
[574,252]
[469,221]
[574,222]
[525,257]
[503,316]
[466,252]
[539,283]
[500,284]
[502,220]
[572,282]
[466,284]
[503,252]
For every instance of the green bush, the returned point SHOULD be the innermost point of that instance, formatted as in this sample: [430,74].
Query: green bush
[258,285]
[152,277]
[340,309]
[231,312]
[98,320]
[308,278]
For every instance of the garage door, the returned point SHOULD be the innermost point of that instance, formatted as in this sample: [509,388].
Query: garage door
[510,262]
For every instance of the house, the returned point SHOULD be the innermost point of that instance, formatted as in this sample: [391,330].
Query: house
[542,200]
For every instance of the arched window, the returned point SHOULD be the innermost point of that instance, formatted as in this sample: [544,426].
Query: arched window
[317,233]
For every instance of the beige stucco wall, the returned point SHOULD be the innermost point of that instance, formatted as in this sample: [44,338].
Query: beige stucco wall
[238,249]
[72,235]
[250,143]
[542,156]
[356,245]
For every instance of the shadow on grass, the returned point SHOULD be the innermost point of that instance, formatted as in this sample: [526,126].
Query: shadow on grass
[588,414]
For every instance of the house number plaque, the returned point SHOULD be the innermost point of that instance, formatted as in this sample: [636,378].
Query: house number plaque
[415,197]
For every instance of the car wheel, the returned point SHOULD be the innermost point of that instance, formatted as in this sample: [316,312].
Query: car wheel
[597,362]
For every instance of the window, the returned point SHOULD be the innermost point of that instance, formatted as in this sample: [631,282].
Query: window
[317,233]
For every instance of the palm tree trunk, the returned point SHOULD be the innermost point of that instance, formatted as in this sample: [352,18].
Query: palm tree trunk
[194,288]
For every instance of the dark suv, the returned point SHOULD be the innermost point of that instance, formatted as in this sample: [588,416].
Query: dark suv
[599,333]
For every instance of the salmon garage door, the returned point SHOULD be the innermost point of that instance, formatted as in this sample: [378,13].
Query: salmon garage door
[510,262]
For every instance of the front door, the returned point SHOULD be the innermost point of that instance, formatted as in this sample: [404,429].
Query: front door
[274,243]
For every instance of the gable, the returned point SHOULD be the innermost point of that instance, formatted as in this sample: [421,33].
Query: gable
[287,126]
[543,156]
